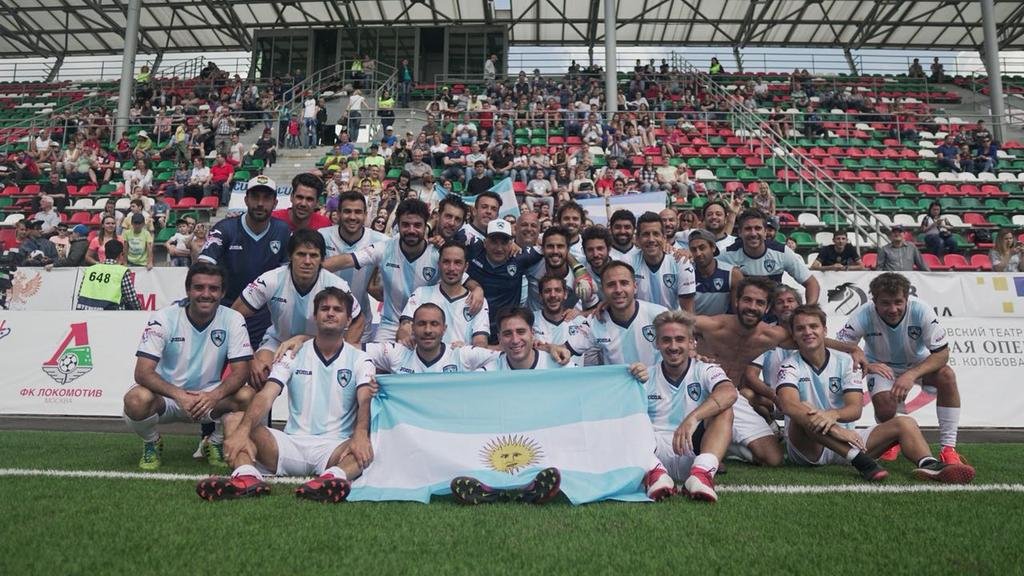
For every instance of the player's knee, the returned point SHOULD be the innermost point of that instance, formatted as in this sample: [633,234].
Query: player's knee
[767,452]
[138,403]
[904,423]
[231,419]
[944,378]
[243,397]
[885,406]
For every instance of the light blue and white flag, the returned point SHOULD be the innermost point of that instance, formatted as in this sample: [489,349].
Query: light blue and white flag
[635,203]
[504,427]
[509,204]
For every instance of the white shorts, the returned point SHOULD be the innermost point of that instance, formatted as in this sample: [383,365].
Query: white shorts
[386,332]
[678,466]
[827,457]
[270,342]
[877,383]
[173,412]
[301,455]
[747,425]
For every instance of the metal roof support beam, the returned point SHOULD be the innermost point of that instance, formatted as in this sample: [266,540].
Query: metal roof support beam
[611,78]
[131,43]
[991,56]
[55,69]
[849,61]
[739,58]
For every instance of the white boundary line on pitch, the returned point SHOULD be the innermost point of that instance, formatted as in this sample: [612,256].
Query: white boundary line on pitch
[735,489]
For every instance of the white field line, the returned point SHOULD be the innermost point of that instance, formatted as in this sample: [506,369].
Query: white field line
[735,489]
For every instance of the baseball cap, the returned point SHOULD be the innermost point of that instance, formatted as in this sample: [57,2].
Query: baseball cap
[35,223]
[142,134]
[260,183]
[499,226]
[138,218]
[896,228]
[389,129]
[707,236]
[81,230]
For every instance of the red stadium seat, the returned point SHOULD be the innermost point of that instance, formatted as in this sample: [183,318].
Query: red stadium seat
[211,202]
[30,189]
[80,218]
[981,262]
[957,262]
[11,190]
[187,202]
[976,220]
[933,262]
[869,260]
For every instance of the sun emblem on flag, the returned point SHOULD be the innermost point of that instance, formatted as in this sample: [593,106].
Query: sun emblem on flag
[511,453]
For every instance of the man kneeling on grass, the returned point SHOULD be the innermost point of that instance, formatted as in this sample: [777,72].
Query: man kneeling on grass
[328,432]
[821,393]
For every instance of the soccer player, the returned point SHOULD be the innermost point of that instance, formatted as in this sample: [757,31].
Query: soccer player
[289,292]
[328,430]
[904,344]
[450,296]
[406,262]
[821,393]
[622,225]
[180,362]
[425,350]
[760,378]
[570,217]
[718,219]
[661,278]
[756,256]
[485,209]
[715,280]
[350,235]
[303,215]
[557,262]
[624,331]
[451,216]
[515,339]
[555,322]
[690,406]
[597,245]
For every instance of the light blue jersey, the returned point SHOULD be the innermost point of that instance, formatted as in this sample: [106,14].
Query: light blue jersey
[632,341]
[822,389]
[358,280]
[322,391]
[291,310]
[462,325]
[541,361]
[665,283]
[769,362]
[192,357]
[545,330]
[399,275]
[902,346]
[396,358]
[669,402]
[776,260]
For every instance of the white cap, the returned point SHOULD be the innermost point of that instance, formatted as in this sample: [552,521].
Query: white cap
[261,181]
[499,226]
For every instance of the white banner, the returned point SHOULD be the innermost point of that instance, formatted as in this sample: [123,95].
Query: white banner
[599,210]
[236,204]
[36,289]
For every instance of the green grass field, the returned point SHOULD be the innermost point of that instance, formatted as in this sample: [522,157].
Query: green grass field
[59,525]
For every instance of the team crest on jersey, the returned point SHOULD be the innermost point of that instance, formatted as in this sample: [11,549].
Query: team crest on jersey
[914,332]
[835,384]
[512,269]
[429,273]
[669,280]
[467,314]
[648,332]
[769,265]
[573,330]
[450,368]
[693,391]
[344,377]
[218,337]
[275,246]
[871,384]
[719,283]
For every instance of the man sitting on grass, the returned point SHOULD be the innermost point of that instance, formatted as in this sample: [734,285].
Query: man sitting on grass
[328,430]
[821,393]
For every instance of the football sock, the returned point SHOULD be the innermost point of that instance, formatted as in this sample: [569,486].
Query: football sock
[146,428]
[863,462]
[336,472]
[852,454]
[707,463]
[926,461]
[247,470]
[949,421]
[217,437]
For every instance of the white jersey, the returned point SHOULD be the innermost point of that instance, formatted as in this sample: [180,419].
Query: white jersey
[576,249]
[666,283]
[473,234]
[397,359]
[902,346]
[322,391]
[545,330]
[822,389]
[192,357]
[399,275]
[669,402]
[776,259]
[291,310]
[769,363]
[627,256]
[541,361]
[538,271]
[725,243]
[620,343]
[462,325]
[358,280]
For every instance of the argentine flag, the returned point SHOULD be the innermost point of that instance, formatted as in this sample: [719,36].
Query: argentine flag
[504,427]
[503,188]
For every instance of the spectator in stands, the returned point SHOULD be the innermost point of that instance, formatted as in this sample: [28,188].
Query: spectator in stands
[107,232]
[97,293]
[417,168]
[36,250]
[159,210]
[138,206]
[179,181]
[454,164]
[938,72]
[764,200]
[178,252]
[198,179]
[138,242]
[76,249]
[26,168]
[649,181]
[293,131]
[303,214]
[899,255]
[221,175]
[48,216]
[986,155]
[937,231]
[481,180]
[979,133]
[539,191]
[55,189]
[916,70]
[139,180]
[965,160]
[266,148]
[354,111]
[309,109]
[142,143]
[1007,254]
[324,130]
[236,151]
[583,186]
[947,155]
[490,69]
[840,255]
[716,67]
[405,80]
[386,108]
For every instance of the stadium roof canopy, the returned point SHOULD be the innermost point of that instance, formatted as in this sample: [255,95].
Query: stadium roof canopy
[52,28]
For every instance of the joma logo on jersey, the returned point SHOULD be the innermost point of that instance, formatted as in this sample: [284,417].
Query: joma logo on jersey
[344,377]
[914,332]
[648,332]
[654,396]
[669,280]
[218,337]
[279,299]
[835,384]
[303,372]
